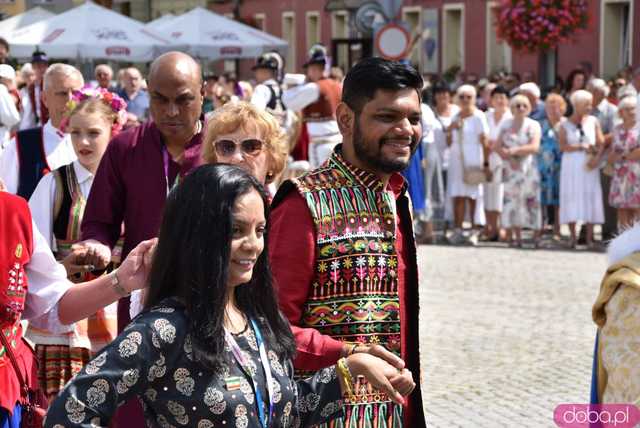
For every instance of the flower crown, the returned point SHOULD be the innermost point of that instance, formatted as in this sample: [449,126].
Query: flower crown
[114,101]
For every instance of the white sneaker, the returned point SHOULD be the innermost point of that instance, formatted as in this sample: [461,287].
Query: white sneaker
[473,239]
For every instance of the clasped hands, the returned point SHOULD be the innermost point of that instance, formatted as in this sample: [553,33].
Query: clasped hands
[132,274]
[383,370]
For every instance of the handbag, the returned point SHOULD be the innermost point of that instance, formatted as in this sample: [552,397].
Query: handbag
[34,403]
[472,175]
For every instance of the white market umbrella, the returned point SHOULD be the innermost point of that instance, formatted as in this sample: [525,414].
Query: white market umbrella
[212,36]
[29,17]
[160,21]
[89,31]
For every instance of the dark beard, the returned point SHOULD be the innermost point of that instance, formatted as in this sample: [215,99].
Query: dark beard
[372,155]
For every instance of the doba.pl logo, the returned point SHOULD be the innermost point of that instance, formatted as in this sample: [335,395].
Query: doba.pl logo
[596,416]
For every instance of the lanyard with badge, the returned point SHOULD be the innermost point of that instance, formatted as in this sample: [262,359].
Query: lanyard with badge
[244,365]
[165,161]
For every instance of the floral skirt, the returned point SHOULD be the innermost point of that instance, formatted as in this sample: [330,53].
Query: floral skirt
[57,364]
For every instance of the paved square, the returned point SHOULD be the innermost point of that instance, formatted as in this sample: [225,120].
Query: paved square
[506,334]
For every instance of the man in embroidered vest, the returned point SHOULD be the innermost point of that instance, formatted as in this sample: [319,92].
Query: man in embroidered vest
[36,151]
[35,112]
[317,99]
[342,245]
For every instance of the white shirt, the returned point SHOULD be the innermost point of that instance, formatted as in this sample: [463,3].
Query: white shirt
[262,94]
[9,116]
[57,148]
[301,96]
[28,112]
[494,128]
[47,282]
[43,199]
[429,122]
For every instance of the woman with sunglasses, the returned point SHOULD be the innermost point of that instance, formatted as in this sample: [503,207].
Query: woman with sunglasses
[468,138]
[211,348]
[251,138]
[581,143]
[518,144]
[240,134]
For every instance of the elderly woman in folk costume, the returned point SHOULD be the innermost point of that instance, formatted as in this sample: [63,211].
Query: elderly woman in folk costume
[57,206]
[616,366]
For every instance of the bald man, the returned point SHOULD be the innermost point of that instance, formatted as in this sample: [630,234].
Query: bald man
[141,164]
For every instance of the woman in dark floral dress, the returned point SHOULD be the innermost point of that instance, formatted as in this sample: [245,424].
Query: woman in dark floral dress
[211,348]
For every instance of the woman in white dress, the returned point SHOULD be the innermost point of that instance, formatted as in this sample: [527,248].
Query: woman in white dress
[467,137]
[581,142]
[497,115]
[519,142]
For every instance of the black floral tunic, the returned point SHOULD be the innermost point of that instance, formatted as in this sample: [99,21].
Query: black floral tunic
[153,360]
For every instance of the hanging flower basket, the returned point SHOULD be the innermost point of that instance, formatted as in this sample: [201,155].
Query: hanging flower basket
[540,25]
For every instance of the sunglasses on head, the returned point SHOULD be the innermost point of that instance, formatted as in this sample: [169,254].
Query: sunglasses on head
[226,148]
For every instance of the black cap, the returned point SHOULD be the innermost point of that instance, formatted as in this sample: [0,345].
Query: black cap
[271,61]
[317,55]
[39,56]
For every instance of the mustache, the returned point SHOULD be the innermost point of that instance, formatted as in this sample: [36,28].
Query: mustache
[413,141]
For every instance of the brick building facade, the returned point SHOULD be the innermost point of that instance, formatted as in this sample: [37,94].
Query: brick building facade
[462,34]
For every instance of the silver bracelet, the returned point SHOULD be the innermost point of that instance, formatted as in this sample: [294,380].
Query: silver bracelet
[115,283]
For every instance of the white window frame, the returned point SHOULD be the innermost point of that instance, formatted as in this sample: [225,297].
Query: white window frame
[262,18]
[445,8]
[406,10]
[603,4]
[291,60]
[308,15]
[334,24]
[492,4]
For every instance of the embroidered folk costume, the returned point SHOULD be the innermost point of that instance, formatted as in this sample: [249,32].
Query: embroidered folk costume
[31,284]
[317,101]
[344,261]
[616,364]
[58,204]
[32,154]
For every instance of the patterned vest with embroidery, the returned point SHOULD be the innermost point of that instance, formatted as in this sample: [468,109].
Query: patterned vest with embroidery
[16,247]
[354,293]
[100,328]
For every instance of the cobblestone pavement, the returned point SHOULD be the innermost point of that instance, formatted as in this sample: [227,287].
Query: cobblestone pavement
[506,334]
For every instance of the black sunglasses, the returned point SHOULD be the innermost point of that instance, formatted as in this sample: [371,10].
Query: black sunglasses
[226,148]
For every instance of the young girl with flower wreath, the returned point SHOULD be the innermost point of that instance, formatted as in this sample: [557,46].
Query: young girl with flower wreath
[57,204]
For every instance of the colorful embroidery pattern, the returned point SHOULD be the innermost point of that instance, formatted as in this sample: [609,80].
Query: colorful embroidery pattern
[354,294]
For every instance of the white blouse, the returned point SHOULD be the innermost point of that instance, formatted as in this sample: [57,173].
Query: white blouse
[43,199]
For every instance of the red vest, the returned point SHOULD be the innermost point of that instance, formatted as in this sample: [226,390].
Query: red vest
[325,108]
[16,247]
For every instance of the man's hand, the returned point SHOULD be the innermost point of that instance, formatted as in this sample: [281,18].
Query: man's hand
[97,254]
[133,273]
[74,262]
[396,383]
[380,352]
